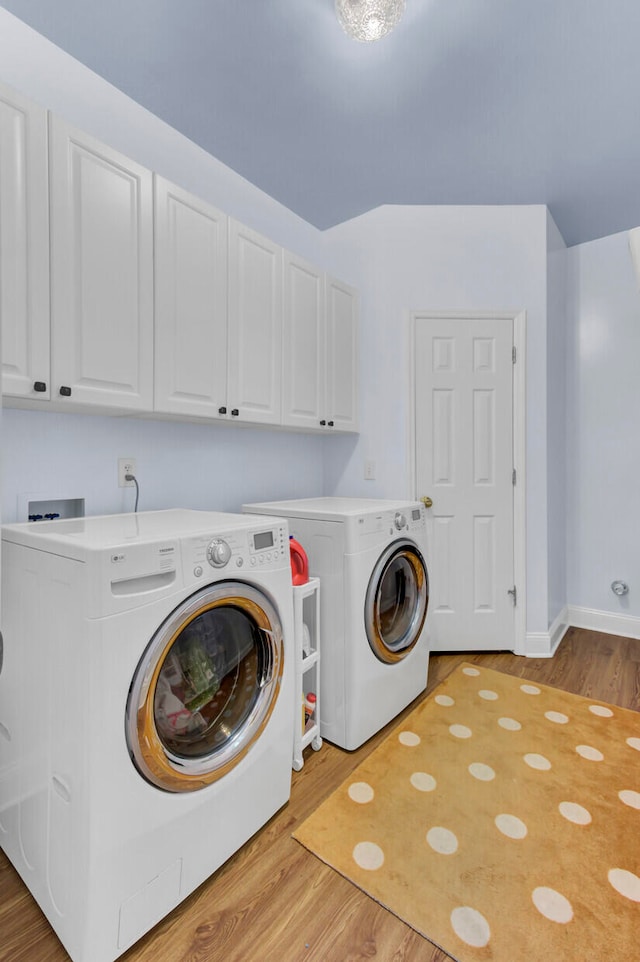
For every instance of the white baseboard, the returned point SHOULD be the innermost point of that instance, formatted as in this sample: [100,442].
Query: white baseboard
[605,621]
[544,644]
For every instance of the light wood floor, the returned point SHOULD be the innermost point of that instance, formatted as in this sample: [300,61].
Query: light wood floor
[273,901]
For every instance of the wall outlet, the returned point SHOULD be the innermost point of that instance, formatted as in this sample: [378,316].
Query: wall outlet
[125,466]
[369,470]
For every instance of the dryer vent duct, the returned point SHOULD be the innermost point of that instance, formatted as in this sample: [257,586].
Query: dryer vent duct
[634,248]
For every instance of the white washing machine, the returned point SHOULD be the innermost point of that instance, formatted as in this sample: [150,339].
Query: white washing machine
[146,706]
[370,556]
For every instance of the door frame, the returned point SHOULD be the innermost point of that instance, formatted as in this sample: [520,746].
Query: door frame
[519,326]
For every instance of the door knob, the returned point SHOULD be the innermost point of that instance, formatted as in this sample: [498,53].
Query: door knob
[426,500]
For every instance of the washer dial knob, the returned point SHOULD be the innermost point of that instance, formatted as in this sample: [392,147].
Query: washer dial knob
[400,521]
[218,553]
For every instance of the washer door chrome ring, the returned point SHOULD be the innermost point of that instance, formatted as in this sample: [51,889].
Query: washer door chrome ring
[383,648]
[153,760]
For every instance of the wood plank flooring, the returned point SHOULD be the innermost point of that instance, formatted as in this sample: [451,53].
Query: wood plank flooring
[275,902]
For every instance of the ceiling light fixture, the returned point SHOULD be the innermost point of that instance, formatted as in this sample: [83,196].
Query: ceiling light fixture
[369,20]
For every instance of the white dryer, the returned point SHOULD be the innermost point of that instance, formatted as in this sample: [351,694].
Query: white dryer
[146,706]
[371,558]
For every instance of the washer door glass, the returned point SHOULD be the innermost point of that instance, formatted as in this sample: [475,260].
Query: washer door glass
[396,602]
[205,687]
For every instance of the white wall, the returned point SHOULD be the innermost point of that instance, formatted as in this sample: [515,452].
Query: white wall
[556,420]
[445,258]
[603,438]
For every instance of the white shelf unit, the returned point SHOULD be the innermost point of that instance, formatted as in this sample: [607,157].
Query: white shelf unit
[306,614]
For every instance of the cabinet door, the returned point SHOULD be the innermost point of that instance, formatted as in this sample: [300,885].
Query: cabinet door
[190,303]
[101,273]
[341,355]
[24,247]
[303,345]
[255,326]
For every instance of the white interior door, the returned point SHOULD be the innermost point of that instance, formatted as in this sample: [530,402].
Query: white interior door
[464,462]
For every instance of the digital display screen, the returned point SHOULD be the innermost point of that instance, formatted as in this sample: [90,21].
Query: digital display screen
[263,540]
[415,514]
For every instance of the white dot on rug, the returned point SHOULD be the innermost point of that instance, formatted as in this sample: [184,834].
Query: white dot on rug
[445,700]
[511,826]
[473,672]
[625,883]
[488,695]
[442,840]
[601,711]
[632,799]
[368,855]
[552,905]
[484,773]
[423,782]
[558,717]
[460,731]
[470,926]
[530,689]
[539,762]
[510,724]
[590,753]
[409,738]
[574,813]
[361,792]
[634,743]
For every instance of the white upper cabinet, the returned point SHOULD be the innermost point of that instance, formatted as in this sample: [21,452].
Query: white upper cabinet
[24,247]
[190,304]
[255,327]
[303,382]
[342,313]
[320,349]
[101,273]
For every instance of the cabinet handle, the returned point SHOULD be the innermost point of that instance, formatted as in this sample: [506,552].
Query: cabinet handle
[65,391]
[323,423]
[235,412]
[40,386]
[222,410]
[330,424]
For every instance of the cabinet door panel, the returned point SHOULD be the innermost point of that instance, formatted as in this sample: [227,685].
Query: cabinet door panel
[24,246]
[303,345]
[102,280]
[342,354]
[190,303]
[255,326]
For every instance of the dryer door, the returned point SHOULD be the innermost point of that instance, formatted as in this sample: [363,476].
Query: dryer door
[396,601]
[205,687]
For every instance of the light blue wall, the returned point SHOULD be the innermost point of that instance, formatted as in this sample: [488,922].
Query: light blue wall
[556,421]
[603,426]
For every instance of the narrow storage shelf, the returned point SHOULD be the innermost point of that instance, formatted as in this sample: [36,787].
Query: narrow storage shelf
[306,618]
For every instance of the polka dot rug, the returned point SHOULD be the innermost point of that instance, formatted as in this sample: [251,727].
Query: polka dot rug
[501,820]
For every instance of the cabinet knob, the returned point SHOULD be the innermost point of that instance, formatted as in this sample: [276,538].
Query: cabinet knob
[65,391]
[40,386]
[222,410]
[235,412]
[323,423]
[330,424]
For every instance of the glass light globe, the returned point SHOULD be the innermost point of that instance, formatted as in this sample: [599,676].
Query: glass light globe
[369,20]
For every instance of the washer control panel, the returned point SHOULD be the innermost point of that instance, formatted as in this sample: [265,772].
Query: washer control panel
[262,547]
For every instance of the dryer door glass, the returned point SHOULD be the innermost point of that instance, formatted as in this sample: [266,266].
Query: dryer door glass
[205,687]
[396,602]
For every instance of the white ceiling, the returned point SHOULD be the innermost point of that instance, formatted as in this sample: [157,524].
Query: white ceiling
[466,102]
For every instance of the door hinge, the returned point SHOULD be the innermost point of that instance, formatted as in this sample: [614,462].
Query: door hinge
[514,354]
[514,594]
[513,476]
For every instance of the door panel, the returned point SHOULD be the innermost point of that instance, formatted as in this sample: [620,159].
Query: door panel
[464,462]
